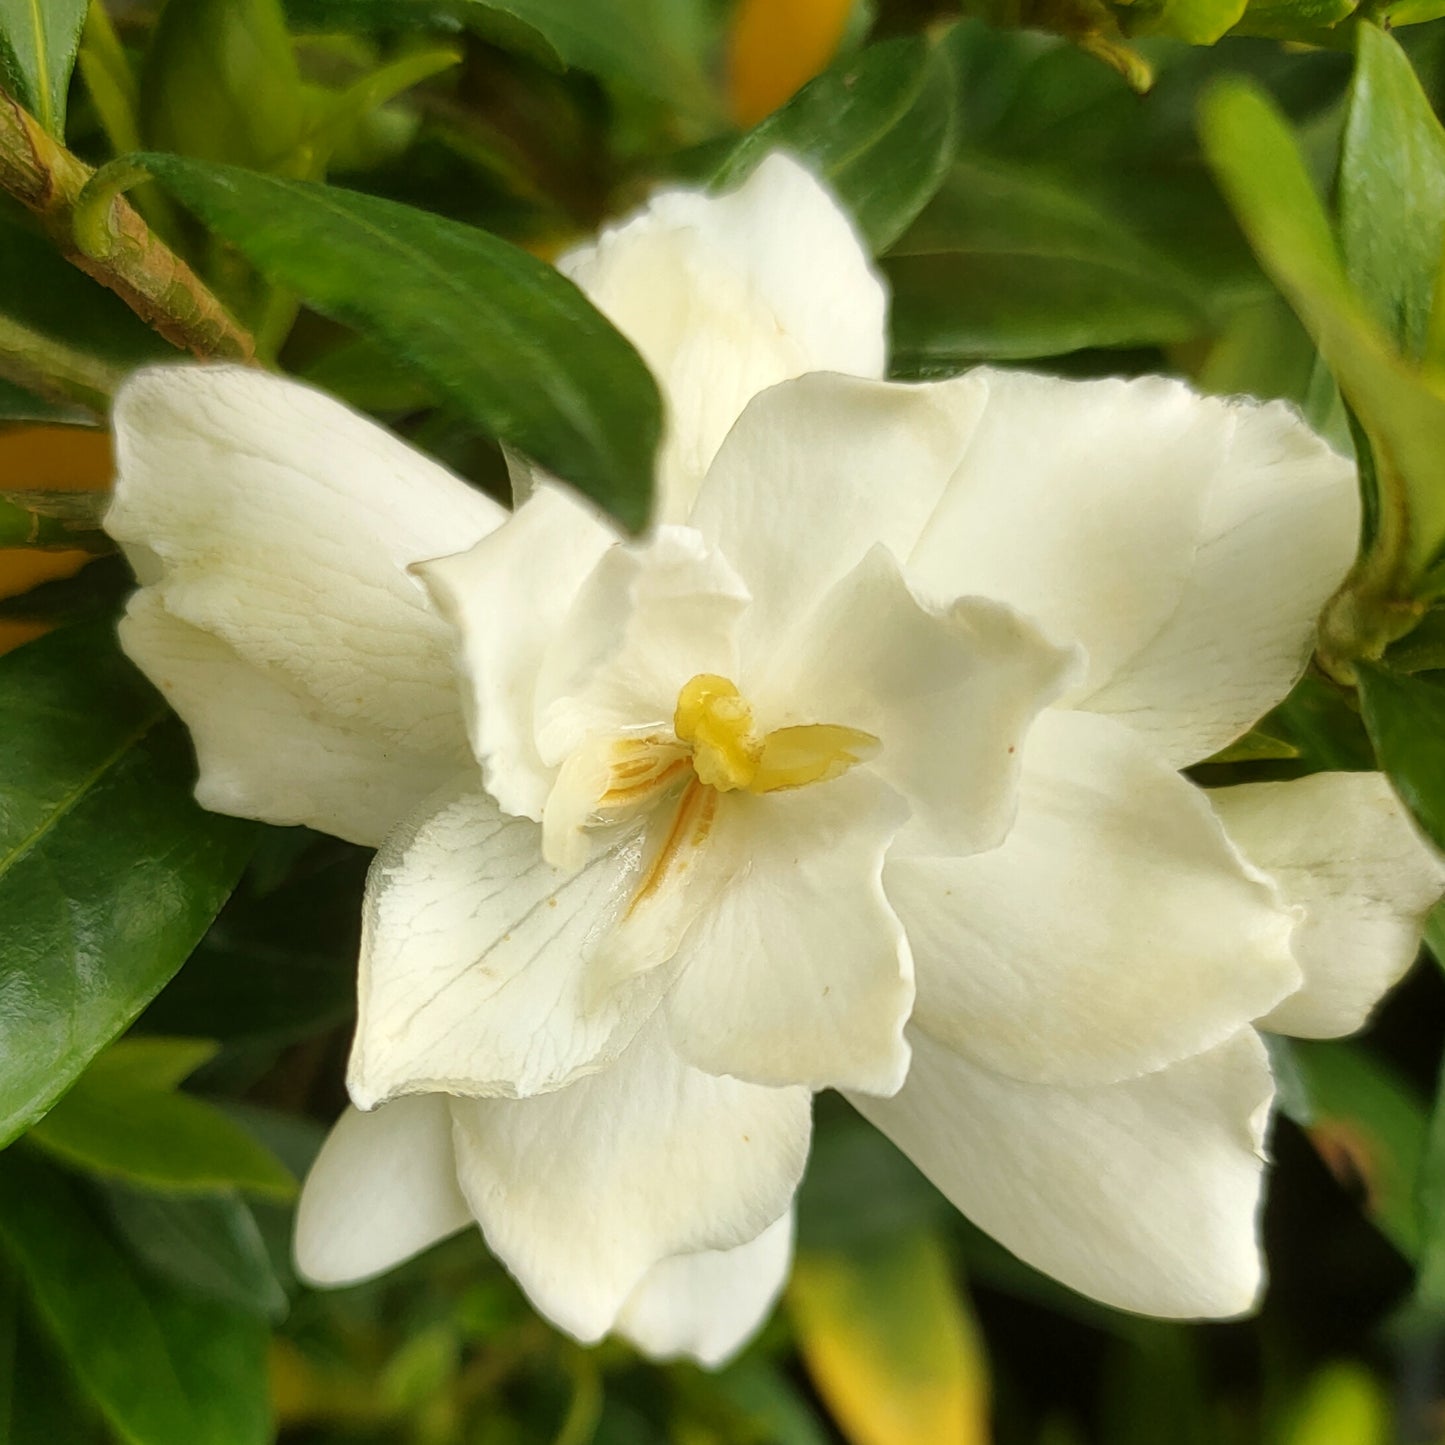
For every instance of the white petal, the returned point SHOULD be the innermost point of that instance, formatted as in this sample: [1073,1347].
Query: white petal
[1281,519]
[474,976]
[282,523]
[949,693]
[1343,847]
[726,295]
[1142,1194]
[1115,931]
[582,1192]
[266,748]
[708,1306]
[816,473]
[507,598]
[649,618]
[799,973]
[382,1189]
[1079,503]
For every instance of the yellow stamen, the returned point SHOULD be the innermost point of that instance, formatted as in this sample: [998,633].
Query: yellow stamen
[714,719]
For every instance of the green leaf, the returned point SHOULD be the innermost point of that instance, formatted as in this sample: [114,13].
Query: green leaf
[880,128]
[508,340]
[209,1246]
[109,872]
[1255,747]
[1259,168]
[124,1119]
[38,41]
[163,1369]
[1392,191]
[1369,1125]
[220,82]
[1406,719]
[1200,22]
[1009,262]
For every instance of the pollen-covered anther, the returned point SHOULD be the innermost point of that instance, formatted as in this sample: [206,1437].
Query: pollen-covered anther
[714,719]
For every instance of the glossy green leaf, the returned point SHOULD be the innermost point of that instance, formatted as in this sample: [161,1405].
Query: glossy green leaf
[125,1119]
[1010,262]
[880,129]
[220,83]
[511,343]
[1369,1125]
[1392,191]
[1406,719]
[109,872]
[163,1369]
[1200,22]
[1260,169]
[209,1246]
[38,41]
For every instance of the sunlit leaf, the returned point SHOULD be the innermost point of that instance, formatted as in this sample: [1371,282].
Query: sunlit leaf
[1260,169]
[1392,191]
[38,41]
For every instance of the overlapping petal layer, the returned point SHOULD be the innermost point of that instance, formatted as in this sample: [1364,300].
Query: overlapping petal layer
[582,1192]
[1142,1194]
[1115,931]
[798,972]
[279,523]
[725,296]
[383,1188]
[1342,847]
[474,961]
[1281,518]
[707,1306]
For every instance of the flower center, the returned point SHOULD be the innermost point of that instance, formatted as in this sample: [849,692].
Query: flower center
[713,748]
[715,720]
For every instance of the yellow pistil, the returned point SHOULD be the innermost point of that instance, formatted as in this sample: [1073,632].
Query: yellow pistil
[714,719]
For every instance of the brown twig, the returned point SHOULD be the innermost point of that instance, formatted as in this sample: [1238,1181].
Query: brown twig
[144,272]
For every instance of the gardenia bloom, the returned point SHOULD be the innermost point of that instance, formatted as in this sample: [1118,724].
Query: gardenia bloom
[860,770]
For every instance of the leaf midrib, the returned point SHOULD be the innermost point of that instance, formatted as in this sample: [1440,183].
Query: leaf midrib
[81,789]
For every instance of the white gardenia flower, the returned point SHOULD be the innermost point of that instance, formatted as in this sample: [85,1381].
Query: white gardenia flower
[860,770]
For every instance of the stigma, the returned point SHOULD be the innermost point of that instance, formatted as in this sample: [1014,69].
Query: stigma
[716,722]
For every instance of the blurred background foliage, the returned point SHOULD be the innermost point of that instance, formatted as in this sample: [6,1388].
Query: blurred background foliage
[1248,193]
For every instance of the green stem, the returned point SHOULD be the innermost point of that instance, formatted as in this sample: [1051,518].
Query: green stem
[122,252]
[53,370]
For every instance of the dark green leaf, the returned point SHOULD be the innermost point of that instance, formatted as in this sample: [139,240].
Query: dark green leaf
[220,82]
[507,339]
[163,1368]
[880,128]
[109,872]
[124,1119]
[1009,262]
[1392,191]
[1430,1200]
[39,1402]
[1406,719]
[208,1246]
[38,41]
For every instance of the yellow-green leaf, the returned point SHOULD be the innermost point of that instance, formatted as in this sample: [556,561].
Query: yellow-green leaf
[889,1341]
